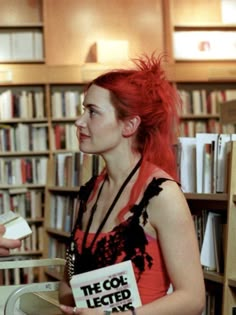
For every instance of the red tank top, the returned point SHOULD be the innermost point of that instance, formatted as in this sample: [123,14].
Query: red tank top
[128,239]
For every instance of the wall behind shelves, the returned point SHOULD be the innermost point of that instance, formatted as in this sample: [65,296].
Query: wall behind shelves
[72,27]
[16,12]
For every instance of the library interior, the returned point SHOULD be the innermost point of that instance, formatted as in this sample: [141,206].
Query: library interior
[49,51]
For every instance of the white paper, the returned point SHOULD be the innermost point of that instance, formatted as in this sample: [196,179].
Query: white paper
[204,45]
[208,250]
[188,164]
[5,46]
[201,139]
[228,11]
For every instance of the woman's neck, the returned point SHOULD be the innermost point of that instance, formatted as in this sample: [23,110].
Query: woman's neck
[117,169]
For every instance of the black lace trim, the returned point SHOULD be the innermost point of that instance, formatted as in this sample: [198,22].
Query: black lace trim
[128,238]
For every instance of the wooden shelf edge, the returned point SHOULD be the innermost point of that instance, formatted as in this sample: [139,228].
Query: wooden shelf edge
[27,253]
[211,197]
[234,198]
[63,189]
[58,232]
[232,282]
[198,117]
[20,186]
[204,27]
[213,276]
[23,25]
[26,153]
[35,220]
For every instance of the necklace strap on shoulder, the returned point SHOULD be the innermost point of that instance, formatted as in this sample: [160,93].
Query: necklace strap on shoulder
[131,174]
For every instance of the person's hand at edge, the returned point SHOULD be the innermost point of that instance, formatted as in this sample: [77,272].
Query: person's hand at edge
[7,244]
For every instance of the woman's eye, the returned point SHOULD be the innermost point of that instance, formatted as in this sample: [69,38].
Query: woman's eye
[91,112]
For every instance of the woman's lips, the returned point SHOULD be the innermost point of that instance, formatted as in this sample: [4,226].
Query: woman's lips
[83,136]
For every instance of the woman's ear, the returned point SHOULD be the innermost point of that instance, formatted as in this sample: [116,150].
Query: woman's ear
[130,126]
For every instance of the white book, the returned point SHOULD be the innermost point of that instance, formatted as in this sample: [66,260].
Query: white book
[59,212]
[16,226]
[230,95]
[38,44]
[57,104]
[112,287]
[228,11]
[208,257]
[207,168]
[5,46]
[221,163]
[201,140]
[22,45]
[6,105]
[39,104]
[60,175]
[188,164]
[196,102]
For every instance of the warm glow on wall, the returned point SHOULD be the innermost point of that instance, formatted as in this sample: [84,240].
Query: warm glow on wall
[112,51]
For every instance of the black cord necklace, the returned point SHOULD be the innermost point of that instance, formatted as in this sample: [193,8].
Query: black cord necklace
[93,210]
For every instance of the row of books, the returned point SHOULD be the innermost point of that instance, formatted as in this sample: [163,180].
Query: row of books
[22,103]
[20,45]
[26,202]
[19,275]
[62,212]
[202,162]
[212,247]
[57,248]
[64,137]
[23,137]
[67,103]
[189,128]
[213,304]
[74,169]
[210,230]
[27,170]
[202,102]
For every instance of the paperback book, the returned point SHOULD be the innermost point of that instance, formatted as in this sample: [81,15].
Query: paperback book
[16,226]
[113,287]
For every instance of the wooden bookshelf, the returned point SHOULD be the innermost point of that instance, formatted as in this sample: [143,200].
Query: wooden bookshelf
[69,59]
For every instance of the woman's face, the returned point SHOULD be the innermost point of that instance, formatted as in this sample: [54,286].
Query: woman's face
[98,129]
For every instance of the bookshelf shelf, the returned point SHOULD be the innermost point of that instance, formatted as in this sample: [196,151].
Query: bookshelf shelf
[25,121]
[22,25]
[211,201]
[65,119]
[214,276]
[63,189]
[35,220]
[207,197]
[234,198]
[205,27]
[59,233]
[22,61]
[232,282]
[47,73]
[27,253]
[26,153]
[197,117]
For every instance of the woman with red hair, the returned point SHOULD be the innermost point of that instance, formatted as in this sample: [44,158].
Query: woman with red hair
[135,210]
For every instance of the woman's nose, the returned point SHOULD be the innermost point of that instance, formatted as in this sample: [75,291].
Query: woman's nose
[80,122]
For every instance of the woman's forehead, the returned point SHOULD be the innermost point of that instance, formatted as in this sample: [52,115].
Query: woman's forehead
[98,96]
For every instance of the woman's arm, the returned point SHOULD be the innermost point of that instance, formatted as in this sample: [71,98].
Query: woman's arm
[170,216]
